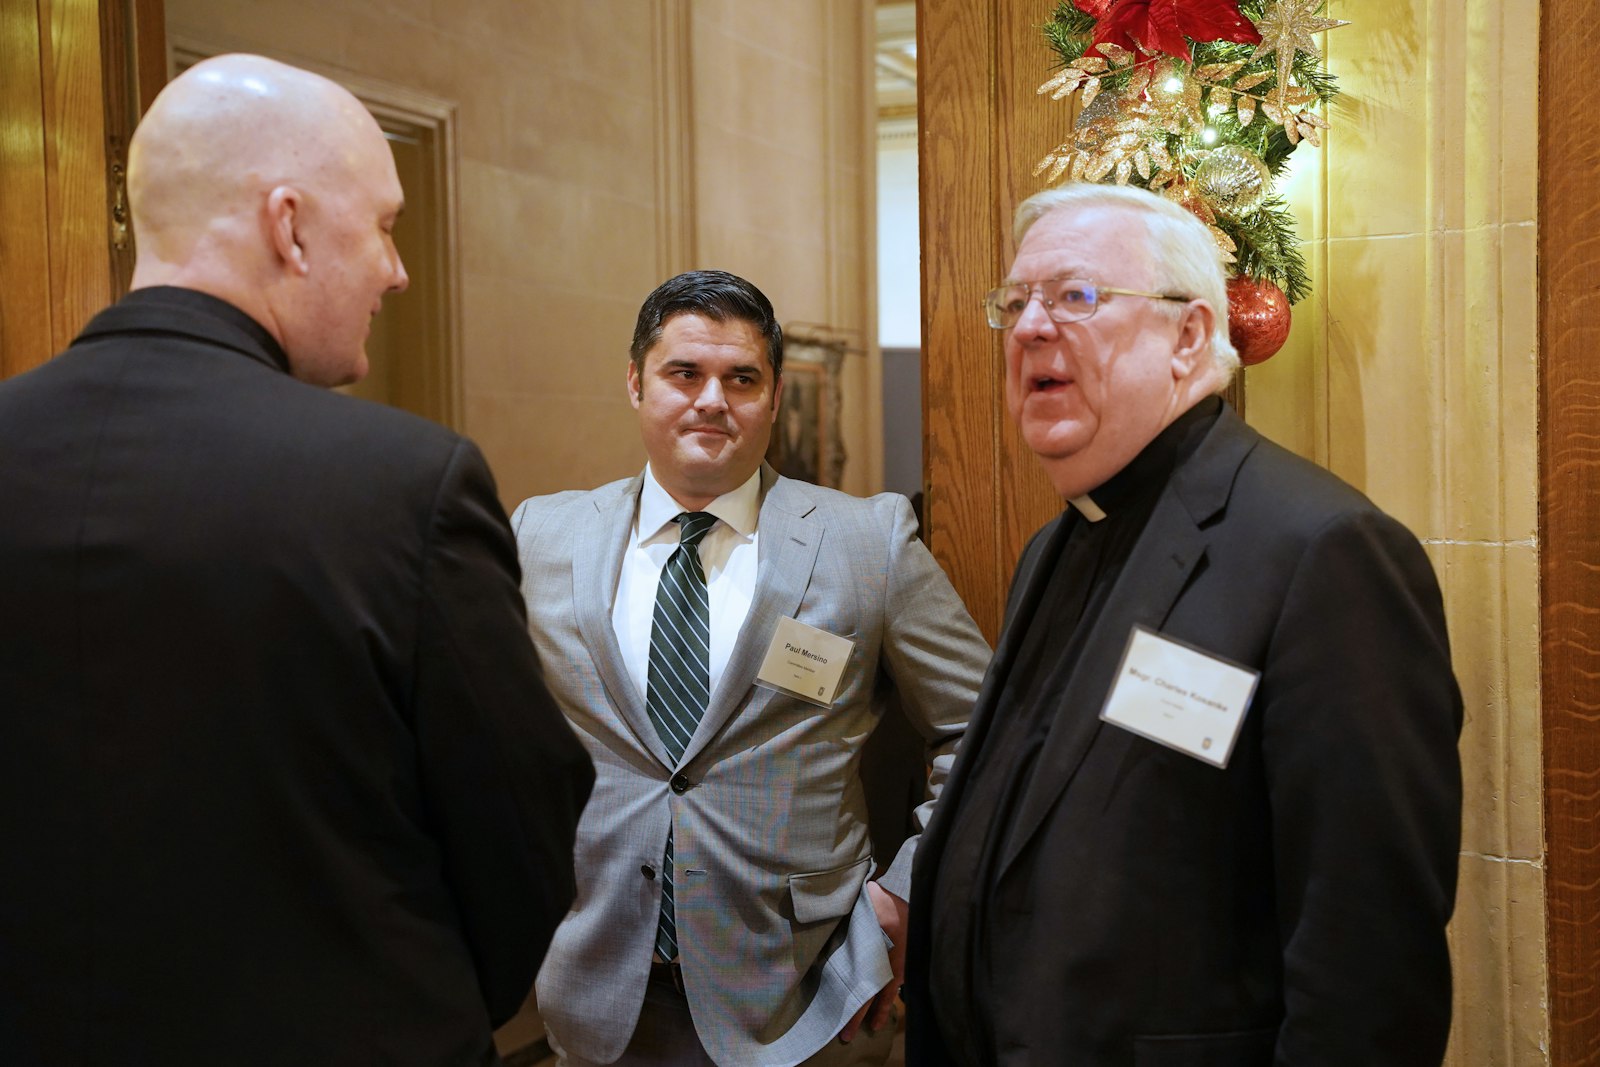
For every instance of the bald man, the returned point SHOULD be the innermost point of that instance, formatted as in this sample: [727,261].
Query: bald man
[280,783]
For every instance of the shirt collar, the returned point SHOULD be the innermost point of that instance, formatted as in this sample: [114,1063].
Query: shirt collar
[1087,507]
[738,508]
[1150,470]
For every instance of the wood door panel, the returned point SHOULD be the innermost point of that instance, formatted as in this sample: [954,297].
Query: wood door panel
[959,262]
[1569,527]
[75,165]
[26,337]
[1029,127]
[74,77]
[982,130]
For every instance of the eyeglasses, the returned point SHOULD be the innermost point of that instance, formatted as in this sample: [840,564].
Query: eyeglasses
[1064,300]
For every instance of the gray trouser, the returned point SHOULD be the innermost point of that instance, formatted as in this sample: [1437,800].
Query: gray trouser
[665,1037]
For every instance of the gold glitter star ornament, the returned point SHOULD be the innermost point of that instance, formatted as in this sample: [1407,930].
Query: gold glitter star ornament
[1286,28]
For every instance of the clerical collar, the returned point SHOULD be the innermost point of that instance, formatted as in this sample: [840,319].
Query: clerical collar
[1147,473]
[738,508]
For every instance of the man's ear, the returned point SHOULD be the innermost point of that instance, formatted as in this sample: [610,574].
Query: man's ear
[1192,349]
[283,217]
[635,385]
[777,395]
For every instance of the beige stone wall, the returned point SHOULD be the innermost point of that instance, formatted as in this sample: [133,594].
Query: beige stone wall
[1411,373]
[603,146]
[784,142]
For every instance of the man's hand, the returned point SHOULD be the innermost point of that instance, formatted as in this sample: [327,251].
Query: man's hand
[892,915]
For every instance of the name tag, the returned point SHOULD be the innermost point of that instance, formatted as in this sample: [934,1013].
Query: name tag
[1176,695]
[805,662]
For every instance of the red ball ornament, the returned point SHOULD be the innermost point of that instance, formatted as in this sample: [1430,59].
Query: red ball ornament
[1258,319]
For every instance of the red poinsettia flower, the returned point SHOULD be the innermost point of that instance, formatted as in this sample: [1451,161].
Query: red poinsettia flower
[1168,26]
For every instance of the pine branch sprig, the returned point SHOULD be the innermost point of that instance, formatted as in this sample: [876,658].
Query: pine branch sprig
[1268,249]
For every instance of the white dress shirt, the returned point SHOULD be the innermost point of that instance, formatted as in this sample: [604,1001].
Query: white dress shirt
[728,555]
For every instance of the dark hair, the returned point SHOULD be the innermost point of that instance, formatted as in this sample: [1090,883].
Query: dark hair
[717,295]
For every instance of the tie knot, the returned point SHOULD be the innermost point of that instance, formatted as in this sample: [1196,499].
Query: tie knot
[693,527]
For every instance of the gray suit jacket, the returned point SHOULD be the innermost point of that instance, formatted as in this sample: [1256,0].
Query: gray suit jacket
[778,938]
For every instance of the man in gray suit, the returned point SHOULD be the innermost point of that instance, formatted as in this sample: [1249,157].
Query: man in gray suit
[724,640]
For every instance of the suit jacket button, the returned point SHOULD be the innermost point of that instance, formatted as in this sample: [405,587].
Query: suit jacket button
[648,871]
[681,783]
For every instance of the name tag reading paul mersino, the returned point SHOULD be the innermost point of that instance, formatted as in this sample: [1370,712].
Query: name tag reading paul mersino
[805,662]
[1176,695]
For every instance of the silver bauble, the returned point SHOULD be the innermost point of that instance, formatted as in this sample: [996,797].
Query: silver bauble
[1233,181]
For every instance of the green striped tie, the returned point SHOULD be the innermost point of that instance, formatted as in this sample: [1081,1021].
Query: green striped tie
[680,673]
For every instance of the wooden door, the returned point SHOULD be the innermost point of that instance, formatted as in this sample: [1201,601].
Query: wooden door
[979,63]
[74,77]
[1569,527]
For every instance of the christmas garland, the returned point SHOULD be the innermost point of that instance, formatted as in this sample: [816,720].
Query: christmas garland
[1202,101]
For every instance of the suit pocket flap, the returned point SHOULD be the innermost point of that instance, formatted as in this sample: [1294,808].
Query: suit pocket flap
[1243,1048]
[827,894]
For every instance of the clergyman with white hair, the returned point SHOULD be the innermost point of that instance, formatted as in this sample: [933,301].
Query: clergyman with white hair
[1208,806]
[280,781]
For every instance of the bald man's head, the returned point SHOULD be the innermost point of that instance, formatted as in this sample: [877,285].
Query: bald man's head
[272,188]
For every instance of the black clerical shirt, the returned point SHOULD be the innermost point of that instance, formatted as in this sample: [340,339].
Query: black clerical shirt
[1088,557]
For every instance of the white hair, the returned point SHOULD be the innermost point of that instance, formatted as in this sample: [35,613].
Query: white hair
[1186,258]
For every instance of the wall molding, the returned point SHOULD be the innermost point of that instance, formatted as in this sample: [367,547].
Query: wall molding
[673,58]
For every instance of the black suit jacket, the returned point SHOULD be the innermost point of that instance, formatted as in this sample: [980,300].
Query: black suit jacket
[1291,909]
[279,780]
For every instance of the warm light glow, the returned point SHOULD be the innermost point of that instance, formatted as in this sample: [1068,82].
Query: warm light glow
[1298,184]
[1208,135]
[1173,84]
